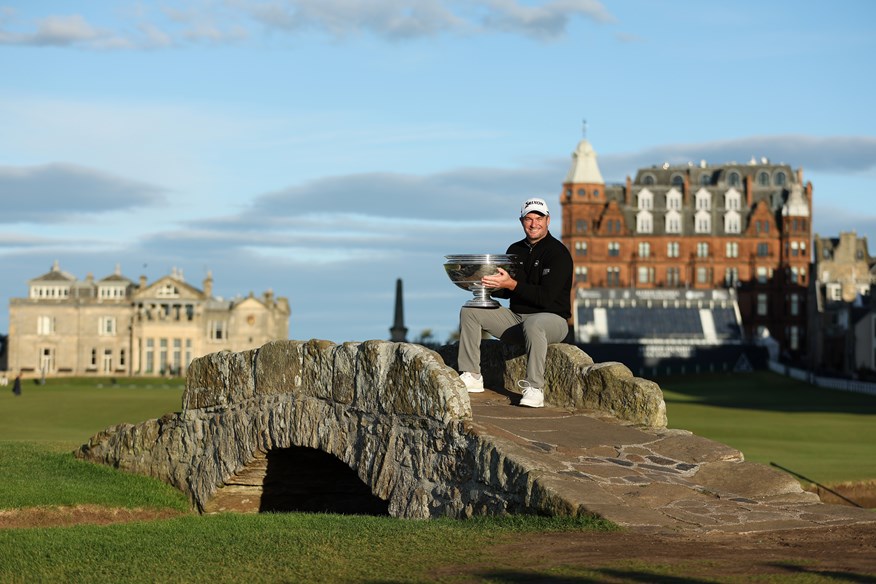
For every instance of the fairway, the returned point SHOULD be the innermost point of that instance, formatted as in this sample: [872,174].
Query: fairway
[828,436]
[65,413]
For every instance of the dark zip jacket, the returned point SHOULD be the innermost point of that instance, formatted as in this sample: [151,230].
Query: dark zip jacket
[544,280]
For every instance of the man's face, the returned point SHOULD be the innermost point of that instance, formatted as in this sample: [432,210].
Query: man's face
[535,226]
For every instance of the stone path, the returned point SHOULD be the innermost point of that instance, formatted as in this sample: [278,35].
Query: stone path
[650,479]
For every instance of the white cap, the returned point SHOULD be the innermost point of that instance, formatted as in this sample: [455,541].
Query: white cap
[534,206]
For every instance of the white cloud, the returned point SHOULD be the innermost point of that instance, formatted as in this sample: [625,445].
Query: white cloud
[214,22]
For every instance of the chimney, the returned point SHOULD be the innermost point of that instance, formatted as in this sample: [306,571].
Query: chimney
[208,285]
[142,282]
[749,195]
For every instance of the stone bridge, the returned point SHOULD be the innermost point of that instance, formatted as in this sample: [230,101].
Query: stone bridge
[381,427]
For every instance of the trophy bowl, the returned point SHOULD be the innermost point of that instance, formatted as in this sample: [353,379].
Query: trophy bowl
[466,271]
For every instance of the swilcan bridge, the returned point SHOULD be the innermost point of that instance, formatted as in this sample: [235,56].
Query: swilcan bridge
[382,427]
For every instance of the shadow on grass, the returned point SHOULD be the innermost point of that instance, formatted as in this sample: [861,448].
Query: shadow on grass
[763,390]
[775,572]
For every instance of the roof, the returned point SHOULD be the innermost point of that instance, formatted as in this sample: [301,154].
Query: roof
[55,275]
[584,168]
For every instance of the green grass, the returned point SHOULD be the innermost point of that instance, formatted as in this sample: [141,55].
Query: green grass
[274,548]
[33,477]
[65,413]
[827,436]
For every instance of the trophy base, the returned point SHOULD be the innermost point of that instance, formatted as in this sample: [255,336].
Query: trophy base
[482,303]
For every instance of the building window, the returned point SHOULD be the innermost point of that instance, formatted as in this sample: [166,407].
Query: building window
[45,325]
[732,249]
[581,192]
[731,222]
[763,249]
[672,249]
[107,326]
[705,179]
[795,304]
[795,338]
[581,248]
[732,200]
[162,356]
[834,292]
[121,357]
[762,275]
[704,275]
[644,249]
[673,222]
[702,222]
[150,356]
[188,360]
[703,200]
[613,277]
[94,357]
[761,304]
[644,222]
[795,275]
[733,179]
[780,179]
[613,248]
[218,327]
[648,179]
[677,181]
[763,179]
[646,275]
[673,276]
[731,276]
[646,200]
[673,200]
[581,226]
[581,274]
[595,193]
[177,356]
[702,249]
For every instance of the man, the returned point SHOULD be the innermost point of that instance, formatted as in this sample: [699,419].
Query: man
[540,305]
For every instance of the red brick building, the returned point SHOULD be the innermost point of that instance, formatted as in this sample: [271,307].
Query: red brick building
[697,227]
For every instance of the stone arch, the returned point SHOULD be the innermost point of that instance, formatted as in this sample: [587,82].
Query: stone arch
[296,479]
[394,413]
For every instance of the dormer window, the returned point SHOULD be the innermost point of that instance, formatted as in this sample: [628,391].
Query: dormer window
[648,179]
[673,200]
[763,179]
[733,179]
[646,200]
[677,180]
[780,179]
[644,222]
[703,200]
[732,200]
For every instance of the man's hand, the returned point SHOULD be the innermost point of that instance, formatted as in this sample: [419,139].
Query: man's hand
[498,281]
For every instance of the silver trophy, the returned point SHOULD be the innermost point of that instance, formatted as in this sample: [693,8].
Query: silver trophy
[466,271]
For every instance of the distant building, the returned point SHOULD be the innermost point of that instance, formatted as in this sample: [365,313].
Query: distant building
[841,316]
[114,326]
[737,232]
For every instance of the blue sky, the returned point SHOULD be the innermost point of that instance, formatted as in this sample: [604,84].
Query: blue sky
[325,148]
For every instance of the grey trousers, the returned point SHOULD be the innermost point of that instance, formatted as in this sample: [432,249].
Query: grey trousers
[536,331]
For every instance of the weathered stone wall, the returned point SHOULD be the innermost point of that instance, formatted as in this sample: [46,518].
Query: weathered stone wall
[393,412]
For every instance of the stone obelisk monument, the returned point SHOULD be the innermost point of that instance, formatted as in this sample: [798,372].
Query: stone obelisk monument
[398,331]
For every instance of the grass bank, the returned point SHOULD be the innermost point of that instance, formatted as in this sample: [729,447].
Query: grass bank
[828,436]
